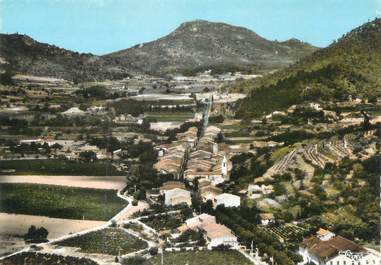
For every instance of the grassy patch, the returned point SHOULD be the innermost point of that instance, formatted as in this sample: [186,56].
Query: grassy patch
[107,241]
[59,167]
[280,153]
[59,202]
[163,116]
[342,216]
[201,257]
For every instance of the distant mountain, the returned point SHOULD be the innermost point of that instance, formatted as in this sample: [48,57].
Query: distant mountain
[200,45]
[22,54]
[193,46]
[349,66]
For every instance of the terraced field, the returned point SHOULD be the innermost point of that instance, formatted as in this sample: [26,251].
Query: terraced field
[287,232]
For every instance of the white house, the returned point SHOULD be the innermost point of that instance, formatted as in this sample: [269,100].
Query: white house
[217,234]
[326,248]
[177,196]
[74,111]
[256,191]
[228,200]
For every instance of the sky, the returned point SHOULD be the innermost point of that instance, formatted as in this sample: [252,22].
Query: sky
[104,26]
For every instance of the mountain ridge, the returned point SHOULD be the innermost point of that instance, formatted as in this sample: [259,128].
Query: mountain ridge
[201,43]
[194,45]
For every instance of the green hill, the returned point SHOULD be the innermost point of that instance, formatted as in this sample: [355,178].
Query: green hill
[24,55]
[349,66]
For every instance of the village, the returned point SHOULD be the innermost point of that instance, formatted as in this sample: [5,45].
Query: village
[164,171]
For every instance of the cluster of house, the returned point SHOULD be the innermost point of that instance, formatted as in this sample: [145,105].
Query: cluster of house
[68,148]
[129,119]
[327,248]
[255,191]
[214,233]
[175,193]
[206,162]
[172,156]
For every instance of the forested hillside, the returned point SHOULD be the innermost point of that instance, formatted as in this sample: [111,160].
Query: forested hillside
[350,66]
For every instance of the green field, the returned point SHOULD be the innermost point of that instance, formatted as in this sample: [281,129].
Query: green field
[58,167]
[107,241]
[59,202]
[214,257]
[29,258]
[163,116]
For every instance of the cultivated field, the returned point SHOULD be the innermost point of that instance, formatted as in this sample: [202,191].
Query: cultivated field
[107,241]
[30,258]
[167,116]
[59,202]
[57,167]
[200,258]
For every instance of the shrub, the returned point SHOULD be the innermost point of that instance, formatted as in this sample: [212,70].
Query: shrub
[36,235]
[153,251]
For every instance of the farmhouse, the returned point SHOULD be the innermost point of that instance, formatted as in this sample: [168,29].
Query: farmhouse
[326,248]
[177,196]
[217,234]
[227,200]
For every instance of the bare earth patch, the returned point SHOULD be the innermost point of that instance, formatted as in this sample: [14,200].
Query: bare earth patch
[95,182]
[18,224]
[14,226]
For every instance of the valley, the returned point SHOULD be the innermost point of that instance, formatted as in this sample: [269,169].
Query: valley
[207,152]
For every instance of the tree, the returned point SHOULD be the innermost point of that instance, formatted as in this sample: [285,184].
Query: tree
[35,235]
[140,194]
[97,91]
[135,260]
[207,207]
[88,156]
[6,78]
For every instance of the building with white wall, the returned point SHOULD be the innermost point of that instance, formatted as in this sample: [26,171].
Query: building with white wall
[177,196]
[326,248]
[228,200]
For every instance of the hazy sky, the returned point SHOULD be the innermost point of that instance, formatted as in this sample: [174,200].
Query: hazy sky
[103,26]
